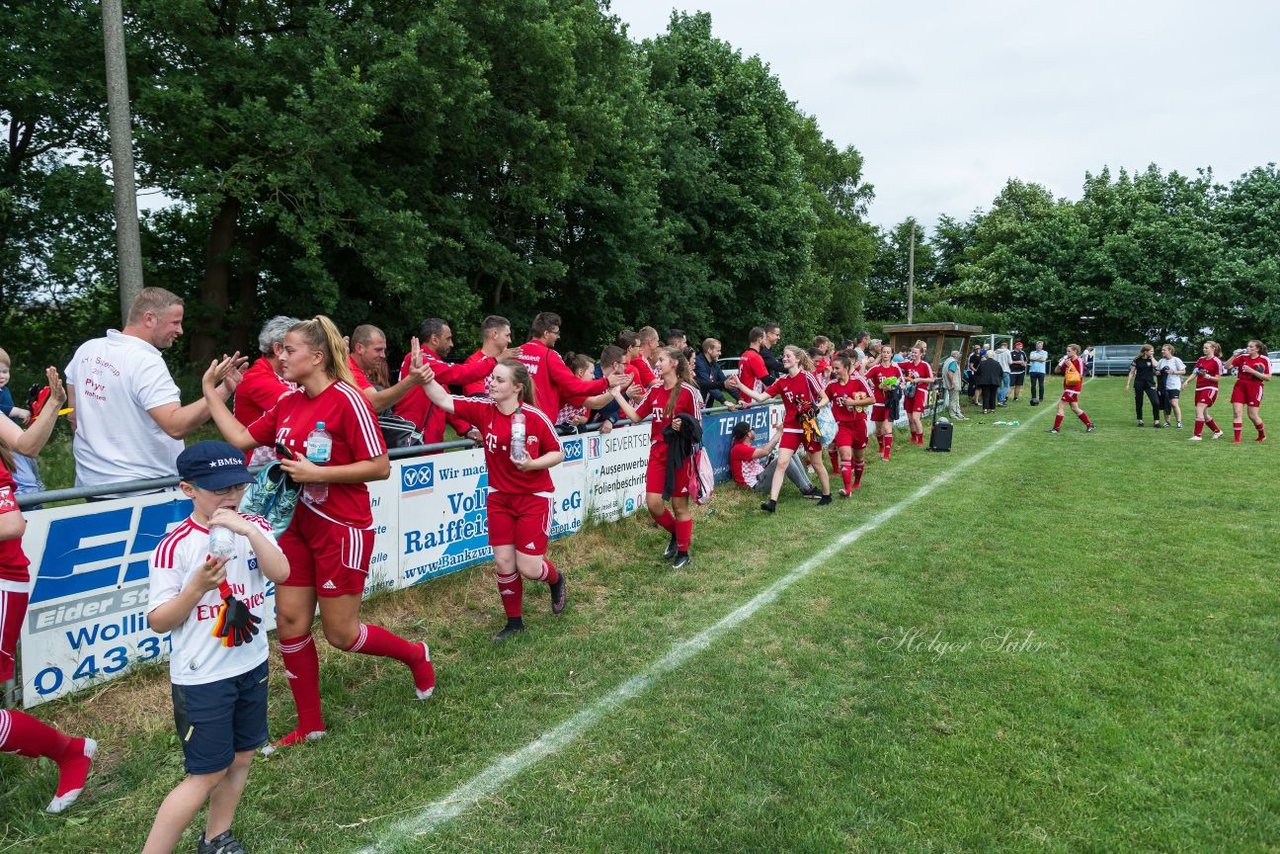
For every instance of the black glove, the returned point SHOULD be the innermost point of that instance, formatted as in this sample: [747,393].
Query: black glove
[239,624]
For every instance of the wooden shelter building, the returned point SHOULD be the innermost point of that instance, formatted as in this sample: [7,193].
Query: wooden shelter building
[939,338]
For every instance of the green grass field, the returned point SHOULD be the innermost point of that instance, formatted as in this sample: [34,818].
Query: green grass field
[1069,643]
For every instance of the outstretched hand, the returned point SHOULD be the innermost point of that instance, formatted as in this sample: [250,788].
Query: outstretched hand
[57,391]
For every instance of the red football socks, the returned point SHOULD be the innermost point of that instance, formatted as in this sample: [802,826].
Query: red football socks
[511,590]
[1057,421]
[27,736]
[846,474]
[549,572]
[666,521]
[1236,427]
[684,534]
[1262,431]
[858,469]
[887,447]
[302,668]
[1212,425]
[375,640]
[1199,428]
[1084,418]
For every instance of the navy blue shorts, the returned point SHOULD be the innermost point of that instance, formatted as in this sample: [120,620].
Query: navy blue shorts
[220,719]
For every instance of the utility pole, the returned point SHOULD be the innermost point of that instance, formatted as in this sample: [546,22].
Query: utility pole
[120,132]
[911,274]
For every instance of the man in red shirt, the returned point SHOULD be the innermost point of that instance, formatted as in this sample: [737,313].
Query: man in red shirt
[262,384]
[437,340]
[641,365]
[751,369]
[495,343]
[368,363]
[551,377]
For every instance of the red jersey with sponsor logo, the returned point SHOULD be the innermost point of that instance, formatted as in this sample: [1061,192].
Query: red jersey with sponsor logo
[795,392]
[417,407]
[1259,363]
[751,370]
[1210,368]
[916,370]
[14,565]
[349,419]
[689,402]
[540,438]
[552,378]
[743,465]
[841,393]
[259,391]
[879,372]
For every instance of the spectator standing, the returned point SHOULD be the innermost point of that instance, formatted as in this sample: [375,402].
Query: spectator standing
[1037,368]
[641,366]
[263,384]
[677,338]
[1142,378]
[436,341]
[971,374]
[752,370]
[951,384]
[368,363]
[26,470]
[1005,361]
[772,364]
[988,378]
[612,364]
[710,376]
[1172,369]
[860,349]
[128,417]
[1017,369]
[550,376]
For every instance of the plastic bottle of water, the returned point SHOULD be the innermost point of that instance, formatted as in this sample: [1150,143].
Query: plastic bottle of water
[319,449]
[518,452]
[222,542]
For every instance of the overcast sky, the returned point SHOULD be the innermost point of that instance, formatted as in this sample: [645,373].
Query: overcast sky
[947,101]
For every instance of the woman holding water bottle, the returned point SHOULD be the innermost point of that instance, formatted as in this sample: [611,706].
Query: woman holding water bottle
[329,441]
[520,448]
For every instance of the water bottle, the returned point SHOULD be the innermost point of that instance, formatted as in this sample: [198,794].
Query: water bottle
[222,542]
[319,449]
[518,452]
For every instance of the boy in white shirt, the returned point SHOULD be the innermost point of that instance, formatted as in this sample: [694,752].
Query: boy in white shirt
[218,667]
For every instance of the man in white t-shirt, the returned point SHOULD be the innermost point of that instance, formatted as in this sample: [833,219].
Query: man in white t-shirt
[127,414]
[1001,355]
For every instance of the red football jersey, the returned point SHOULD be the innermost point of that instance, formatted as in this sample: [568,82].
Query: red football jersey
[480,387]
[1259,363]
[751,370]
[641,372]
[689,402]
[349,419]
[838,392]
[916,370]
[1211,368]
[1079,363]
[880,372]
[357,372]
[259,391]
[415,405]
[552,378]
[540,438]
[13,560]
[795,391]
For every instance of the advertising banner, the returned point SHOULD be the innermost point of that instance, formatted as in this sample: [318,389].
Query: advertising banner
[87,615]
[615,476]
[570,477]
[441,508]
[717,433]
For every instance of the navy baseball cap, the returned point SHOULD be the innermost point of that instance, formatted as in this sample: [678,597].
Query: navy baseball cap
[213,465]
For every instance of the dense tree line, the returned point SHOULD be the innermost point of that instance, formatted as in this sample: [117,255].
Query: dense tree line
[386,161]
[1151,256]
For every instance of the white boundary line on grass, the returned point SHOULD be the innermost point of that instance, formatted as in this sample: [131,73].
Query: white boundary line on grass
[500,771]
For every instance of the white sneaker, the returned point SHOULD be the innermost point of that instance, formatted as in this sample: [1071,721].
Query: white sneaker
[1195,439]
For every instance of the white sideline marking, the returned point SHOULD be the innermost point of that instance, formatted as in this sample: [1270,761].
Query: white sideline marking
[492,778]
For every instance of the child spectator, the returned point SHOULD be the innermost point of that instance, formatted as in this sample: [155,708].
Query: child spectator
[26,471]
[211,603]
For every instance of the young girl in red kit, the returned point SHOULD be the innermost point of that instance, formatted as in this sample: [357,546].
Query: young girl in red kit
[21,733]
[880,377]
[850,395]
[917,371]
[1207,371]
[520,487]
[674,402]
[330,540]
[801,392]
[1072,369]
[1253,368]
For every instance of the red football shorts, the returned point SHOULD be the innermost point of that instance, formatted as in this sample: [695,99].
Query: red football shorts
[879,412]
[852,435]
[1206,396]
[1070,396]
[329,556]
[520,520]
[916,402]
[1250,394]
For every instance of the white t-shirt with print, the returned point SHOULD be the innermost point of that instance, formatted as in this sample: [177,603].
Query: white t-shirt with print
[198,657]
[1172,380]
[112,382]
